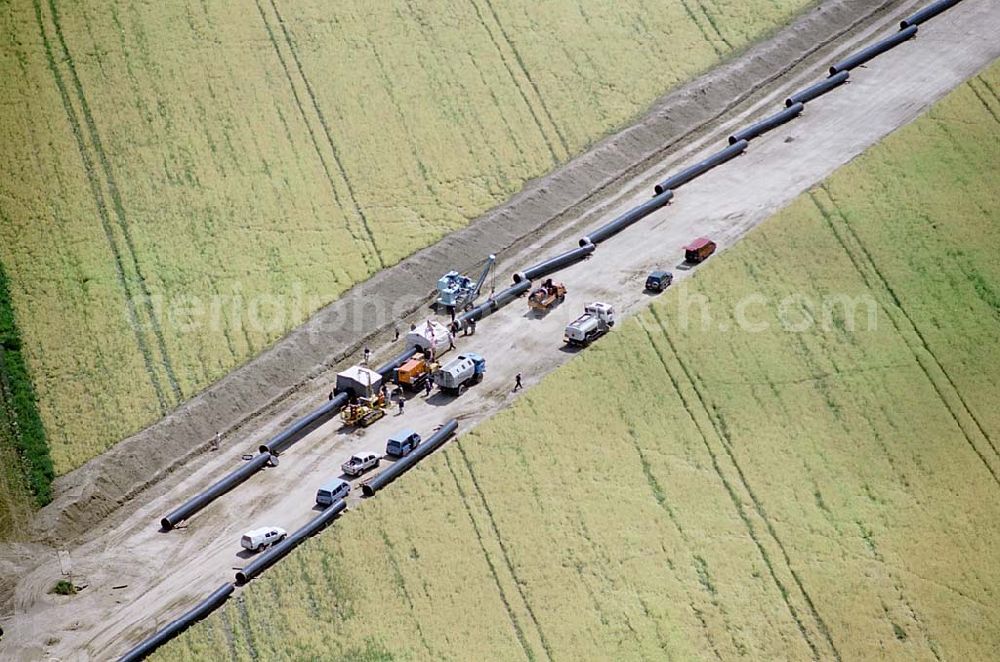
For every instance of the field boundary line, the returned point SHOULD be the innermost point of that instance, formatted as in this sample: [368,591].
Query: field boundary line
[723,437]
[102,211]
[117,204]
[897,304]
[358,210]
[519,633]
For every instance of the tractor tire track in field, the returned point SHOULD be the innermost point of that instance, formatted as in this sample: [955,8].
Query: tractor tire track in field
[102,210]
[660,496]
[714,24]
[503,550]
[726,444]
[862,258]
[397,576]
[982,99]
[117,205]
[528,652]
[701,28]
[351,194]
[364,242]
[557,155]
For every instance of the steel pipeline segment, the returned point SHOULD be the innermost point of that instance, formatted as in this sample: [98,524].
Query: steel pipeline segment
[819,89]
[386,369]
[554,264]
[303,426]
[228,482]
[279,551]
[489,307]
[767,124]
[400,466]
[700,168]
[873,51]
[633,215]
[927,13]
[201,610]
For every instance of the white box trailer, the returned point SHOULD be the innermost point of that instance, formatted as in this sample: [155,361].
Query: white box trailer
[358,381]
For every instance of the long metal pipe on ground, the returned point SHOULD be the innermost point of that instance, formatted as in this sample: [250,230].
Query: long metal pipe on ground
[554,264]
[633,215]
[767,124]
[228,482]
[303,426]
[279,551]
[873,51]
[700,168]
[426,447]
[819,89]
[487,308]
[927,13]
[201,610]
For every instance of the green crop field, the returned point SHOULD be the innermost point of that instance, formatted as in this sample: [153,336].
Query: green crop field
[796,478]
[158,152]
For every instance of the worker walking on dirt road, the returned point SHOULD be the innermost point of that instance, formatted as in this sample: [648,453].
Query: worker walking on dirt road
[402,403]
[427,388]
[517,381]
[368,354]
[216,441]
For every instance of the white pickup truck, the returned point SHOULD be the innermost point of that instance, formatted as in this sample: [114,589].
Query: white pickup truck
[597,319]
[360,463]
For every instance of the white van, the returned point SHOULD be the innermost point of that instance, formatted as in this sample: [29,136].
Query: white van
[332,491]
[258,539]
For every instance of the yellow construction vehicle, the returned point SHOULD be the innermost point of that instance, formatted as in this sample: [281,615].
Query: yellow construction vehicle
[364,411]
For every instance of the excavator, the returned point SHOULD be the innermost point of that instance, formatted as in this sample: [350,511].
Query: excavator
[459,292]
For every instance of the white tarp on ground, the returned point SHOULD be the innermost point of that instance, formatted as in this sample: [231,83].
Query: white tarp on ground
[429,335]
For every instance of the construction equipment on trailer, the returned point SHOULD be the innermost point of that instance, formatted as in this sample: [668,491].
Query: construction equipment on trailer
[597,319]
[431,337]
[458,292]
[549,294]
[459,373]
[415,372]
[659,280]
[367,399]
[699,250]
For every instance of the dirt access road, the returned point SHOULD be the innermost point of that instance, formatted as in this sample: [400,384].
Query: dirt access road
[165,573]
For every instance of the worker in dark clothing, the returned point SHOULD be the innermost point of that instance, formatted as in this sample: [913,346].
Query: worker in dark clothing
[517,381]
[427,387]
[395,331]
[402,403]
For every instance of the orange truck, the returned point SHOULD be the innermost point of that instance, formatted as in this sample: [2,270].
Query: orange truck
[415,372]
